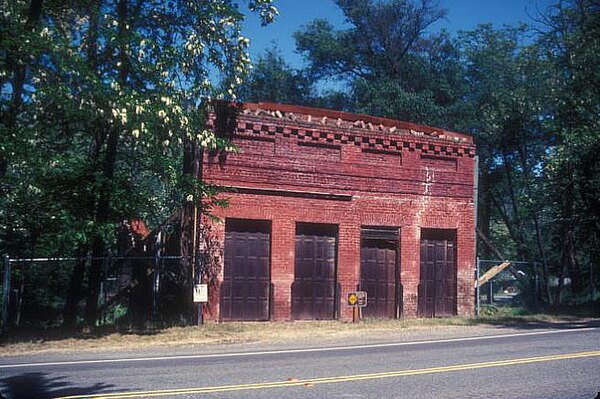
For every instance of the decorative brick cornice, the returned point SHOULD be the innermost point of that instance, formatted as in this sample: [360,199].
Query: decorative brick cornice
[368,141]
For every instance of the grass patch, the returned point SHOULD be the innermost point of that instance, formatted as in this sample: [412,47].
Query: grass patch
[280,332]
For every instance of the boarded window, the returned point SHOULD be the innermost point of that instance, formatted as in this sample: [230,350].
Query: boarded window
[437,287]
[245,291]
[314,290]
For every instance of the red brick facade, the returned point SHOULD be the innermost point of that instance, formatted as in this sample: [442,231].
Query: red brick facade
[299,164]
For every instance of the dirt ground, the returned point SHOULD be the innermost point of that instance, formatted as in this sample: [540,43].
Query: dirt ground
[271,333]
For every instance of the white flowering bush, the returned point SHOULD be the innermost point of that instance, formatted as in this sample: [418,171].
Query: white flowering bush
[98,102]
[118,80]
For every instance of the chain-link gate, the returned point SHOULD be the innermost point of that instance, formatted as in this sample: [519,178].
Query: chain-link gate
[507,283]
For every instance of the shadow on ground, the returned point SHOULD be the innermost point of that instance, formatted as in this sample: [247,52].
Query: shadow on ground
[40,386]
[533,324]
[58,334]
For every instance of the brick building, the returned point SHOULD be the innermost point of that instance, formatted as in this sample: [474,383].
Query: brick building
[325,202]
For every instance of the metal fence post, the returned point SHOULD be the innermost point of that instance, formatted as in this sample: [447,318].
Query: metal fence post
[155,284]
[6,292]
[537,290]
[592,287]
[477,310]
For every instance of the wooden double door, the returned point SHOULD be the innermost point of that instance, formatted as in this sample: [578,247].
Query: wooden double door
[314,290]
[380,273]
[437,288]
[246,287]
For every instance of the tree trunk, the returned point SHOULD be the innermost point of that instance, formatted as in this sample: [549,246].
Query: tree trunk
[19,67]
[523,155]
[75,284]
[103,216]
[484,209]
[103,211]
[189,220]
[568,264]
[17,73]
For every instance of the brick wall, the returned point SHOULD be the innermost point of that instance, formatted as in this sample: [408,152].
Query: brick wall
[292,171]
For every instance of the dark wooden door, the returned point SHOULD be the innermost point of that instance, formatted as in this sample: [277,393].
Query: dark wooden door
[437,288]
[378,276]
[313,290]
[245,290]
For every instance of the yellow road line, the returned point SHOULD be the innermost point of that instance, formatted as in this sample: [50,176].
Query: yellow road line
[330,380]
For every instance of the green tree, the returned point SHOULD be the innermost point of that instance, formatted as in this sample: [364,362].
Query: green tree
[534,112]
[572,45]
[391,65]
[100,99]
[272,79]
[504,108]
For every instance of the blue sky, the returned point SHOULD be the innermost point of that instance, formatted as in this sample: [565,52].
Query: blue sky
[462,15]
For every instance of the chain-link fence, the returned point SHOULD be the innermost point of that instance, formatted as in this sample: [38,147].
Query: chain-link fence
[41,292]
[507,283]
[36,293]
[531,286]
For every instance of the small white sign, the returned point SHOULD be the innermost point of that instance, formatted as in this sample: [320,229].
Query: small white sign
[200,293]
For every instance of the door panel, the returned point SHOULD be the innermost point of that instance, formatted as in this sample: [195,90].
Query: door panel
[246,282]
[437,289]
[313,290]
[378,277]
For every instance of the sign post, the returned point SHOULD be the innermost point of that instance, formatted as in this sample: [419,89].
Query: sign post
[200,297]
[357,299]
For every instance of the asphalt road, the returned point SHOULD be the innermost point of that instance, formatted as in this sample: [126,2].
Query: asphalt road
[540,364]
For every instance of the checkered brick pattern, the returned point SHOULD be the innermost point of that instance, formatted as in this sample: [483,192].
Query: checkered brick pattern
[365,139]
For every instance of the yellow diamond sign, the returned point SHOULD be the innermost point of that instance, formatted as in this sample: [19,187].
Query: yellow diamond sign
[352,299]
